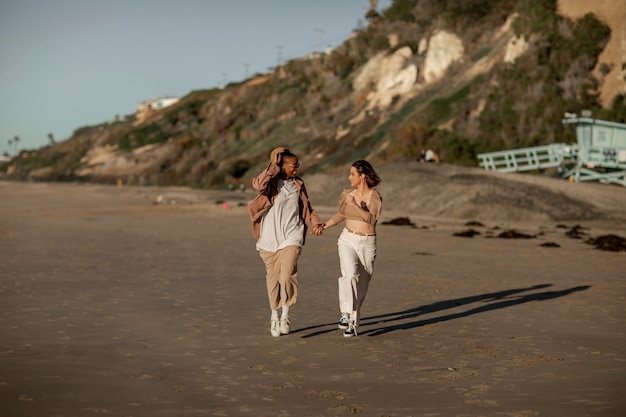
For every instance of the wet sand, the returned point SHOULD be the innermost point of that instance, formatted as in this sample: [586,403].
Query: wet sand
[113,305]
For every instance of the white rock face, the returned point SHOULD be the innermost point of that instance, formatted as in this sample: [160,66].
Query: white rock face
[393,40]
[389,76]
[423,46]
[398,77]
[515,48]
[444,48]
[108,160]
[369,74]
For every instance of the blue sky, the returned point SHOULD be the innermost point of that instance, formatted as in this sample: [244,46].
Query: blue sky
[73,63]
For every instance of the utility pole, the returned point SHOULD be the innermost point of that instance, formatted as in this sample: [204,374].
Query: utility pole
[320,33]
[278,58]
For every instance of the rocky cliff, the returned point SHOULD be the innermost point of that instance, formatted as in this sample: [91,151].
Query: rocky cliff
[458,78]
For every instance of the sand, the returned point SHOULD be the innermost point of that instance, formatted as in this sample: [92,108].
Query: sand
[113,305]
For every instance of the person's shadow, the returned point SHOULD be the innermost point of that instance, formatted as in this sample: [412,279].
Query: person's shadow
[496,300]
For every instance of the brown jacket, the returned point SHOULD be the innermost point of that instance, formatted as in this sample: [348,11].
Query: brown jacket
[266,185]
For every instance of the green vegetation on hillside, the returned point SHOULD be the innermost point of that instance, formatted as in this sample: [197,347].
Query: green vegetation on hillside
[310,104]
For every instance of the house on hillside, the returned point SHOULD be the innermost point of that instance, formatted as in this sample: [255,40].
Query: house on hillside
[156,103]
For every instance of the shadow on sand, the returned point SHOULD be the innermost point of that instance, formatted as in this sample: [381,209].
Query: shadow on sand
[490,301]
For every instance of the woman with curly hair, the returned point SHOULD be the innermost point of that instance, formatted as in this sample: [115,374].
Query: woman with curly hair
[280,214]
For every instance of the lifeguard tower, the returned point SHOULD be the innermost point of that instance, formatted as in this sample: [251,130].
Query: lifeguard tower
[598,155]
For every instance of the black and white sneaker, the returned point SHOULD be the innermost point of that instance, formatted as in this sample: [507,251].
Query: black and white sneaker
[350,331]
[344,322]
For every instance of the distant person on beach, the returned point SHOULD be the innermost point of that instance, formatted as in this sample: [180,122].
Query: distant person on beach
[280,214]
[428,155]
[360,206]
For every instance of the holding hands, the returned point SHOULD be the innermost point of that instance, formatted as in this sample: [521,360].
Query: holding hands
[317,229]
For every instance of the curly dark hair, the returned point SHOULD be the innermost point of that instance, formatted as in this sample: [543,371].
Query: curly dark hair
[371,177]
[286,154]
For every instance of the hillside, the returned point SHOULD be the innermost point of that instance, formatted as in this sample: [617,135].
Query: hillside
[458,78]
[610,68]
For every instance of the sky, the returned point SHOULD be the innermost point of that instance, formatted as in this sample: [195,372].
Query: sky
[66,64]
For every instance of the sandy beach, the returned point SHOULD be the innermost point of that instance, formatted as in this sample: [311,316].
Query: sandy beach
[113,305]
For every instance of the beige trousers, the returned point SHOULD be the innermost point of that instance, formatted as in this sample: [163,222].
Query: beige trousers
[281,277]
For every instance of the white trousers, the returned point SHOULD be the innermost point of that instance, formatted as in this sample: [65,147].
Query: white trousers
[356,260]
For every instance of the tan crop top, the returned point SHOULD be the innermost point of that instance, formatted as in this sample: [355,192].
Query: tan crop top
[370,215]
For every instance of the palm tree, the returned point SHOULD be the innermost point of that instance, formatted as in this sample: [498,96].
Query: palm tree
[51,139]
[10,143]
[16,139]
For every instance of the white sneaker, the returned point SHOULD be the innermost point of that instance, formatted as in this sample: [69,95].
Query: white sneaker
[344,322]
[285,326]
[274,330]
